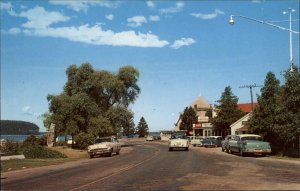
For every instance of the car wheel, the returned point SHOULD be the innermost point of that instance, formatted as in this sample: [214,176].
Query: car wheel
[118,152]
[242,153]
[223,149]
[110,153]
[194,145]
[187,149]
[91,156]
[170,149]
[230,151]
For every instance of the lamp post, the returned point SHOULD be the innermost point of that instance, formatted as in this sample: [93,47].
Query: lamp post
[231,22]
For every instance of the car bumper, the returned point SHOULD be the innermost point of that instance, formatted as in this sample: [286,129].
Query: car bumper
[99,151]
[258,151]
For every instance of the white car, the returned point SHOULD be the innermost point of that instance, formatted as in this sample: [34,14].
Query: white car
[197,141]
[178,141]
[104,146]
[149,138]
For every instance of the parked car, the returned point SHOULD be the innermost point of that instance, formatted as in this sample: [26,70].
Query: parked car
[224,143]
[149,138]
[212,141]
[104,146]
[178,141]
[196,141]
[249,143]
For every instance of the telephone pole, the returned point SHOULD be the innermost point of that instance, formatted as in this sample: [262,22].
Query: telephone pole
[250,87]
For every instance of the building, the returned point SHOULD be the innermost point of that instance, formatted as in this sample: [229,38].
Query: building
[241,126]
[204,112]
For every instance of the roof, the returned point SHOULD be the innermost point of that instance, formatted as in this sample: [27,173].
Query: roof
[243,128]
[241,119]
[201,103]
[246,107]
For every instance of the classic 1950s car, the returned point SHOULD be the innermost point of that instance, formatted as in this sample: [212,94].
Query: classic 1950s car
[225,142]
[178,141]
[104,146]
[212,141]
[249,143]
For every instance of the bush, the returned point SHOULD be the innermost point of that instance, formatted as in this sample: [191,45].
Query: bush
[10,148]
[31,140]
[83,140]
[38,151]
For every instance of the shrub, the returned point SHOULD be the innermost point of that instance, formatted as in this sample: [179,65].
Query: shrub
[41,152]
[10,148]
[83,140]
[31,140]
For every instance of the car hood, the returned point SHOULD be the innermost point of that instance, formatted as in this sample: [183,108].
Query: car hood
[100,146]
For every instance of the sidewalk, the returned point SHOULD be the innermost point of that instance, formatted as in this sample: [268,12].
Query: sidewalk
[12,157]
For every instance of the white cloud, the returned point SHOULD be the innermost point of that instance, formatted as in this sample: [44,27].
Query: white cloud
[154,18]
[5,6]
[182,42]
[83,5]
[150,4]
[38,17]
[213,15]
[28,111]
[109,17]
[178,7]
[257,1]
[39,23]
[136,21]
[95,35]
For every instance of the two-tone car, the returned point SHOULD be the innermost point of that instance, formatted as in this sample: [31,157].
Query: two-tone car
[249,143]
[212,141]
[224,143]
[104,146]
[178,142]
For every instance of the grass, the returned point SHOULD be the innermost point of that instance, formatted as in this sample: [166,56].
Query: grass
[18,164]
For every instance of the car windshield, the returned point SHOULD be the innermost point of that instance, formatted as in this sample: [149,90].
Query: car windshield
[251,138]
[101,140]
[178,136]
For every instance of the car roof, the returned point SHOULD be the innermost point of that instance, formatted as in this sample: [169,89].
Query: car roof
[248,135]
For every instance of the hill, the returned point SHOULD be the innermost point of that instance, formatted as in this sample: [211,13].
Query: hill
[11,127]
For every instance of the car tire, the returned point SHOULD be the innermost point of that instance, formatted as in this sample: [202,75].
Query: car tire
[118,152]
[170,149]
[223,149]
[91,156]
[186,149]
[194,145]
[242,154]
[229,150]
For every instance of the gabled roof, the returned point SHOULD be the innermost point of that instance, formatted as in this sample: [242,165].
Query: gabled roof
[241,119]
[201,103]
[246,107]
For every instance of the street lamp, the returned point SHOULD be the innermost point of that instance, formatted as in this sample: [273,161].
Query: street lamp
[231,22]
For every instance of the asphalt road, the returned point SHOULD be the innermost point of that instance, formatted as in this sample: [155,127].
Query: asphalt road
[150,166]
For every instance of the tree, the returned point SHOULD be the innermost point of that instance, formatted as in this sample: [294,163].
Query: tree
[94,101]
[142,128]
[263,117]
[227,112]
[188,118]
[287,125]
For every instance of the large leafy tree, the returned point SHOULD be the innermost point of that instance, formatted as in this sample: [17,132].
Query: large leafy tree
[188,118]
[287,126]
[142,128]
[227,112]
[94,101]
[263,117]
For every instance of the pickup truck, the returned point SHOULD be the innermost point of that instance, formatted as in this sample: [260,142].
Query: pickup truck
[104,146]
[249,143]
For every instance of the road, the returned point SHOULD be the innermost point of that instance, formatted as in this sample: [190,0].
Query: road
[150,166]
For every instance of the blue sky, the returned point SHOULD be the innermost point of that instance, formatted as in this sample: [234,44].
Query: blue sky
[182,49]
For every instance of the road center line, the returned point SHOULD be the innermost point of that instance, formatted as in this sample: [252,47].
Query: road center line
[118,172]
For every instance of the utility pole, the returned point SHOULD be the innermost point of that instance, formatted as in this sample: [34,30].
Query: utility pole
[250,87]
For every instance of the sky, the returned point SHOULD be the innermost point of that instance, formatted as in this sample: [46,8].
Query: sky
[182,49]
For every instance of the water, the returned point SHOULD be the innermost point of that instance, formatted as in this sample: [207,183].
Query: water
[21,138]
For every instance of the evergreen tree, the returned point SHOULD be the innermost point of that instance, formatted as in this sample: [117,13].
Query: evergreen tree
[142,128]
[287,127]
[188,118]
[227,112]
[263,117]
